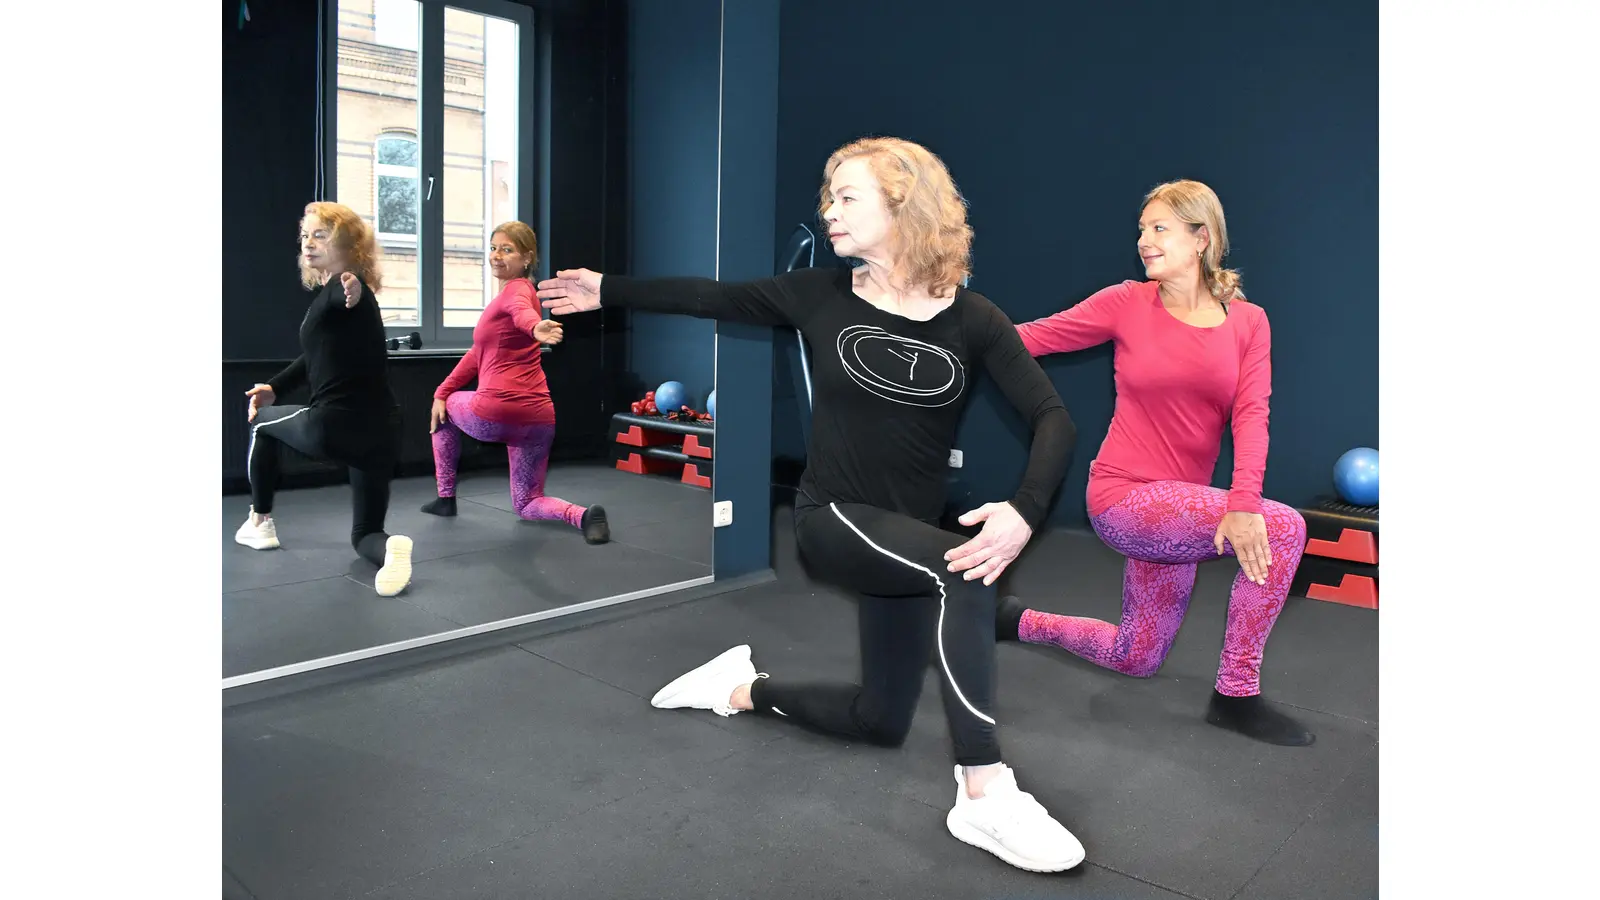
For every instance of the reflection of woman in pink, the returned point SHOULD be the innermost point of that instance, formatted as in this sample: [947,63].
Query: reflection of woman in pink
[1191,353]
[512,403]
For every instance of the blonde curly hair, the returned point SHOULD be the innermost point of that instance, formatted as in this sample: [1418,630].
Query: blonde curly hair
[352,236]
[932,240]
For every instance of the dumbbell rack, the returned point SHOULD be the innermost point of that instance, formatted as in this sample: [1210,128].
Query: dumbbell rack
[656,445]
[1340,564]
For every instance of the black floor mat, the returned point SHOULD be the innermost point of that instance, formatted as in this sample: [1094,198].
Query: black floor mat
[314,598]
[541,770]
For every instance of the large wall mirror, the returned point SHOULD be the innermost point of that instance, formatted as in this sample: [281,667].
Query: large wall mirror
[437,124]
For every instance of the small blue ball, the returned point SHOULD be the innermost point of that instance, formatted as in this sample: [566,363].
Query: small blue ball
[1355,476]
[671,396]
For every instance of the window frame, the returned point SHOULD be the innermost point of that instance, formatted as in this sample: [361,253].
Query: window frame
[428,243]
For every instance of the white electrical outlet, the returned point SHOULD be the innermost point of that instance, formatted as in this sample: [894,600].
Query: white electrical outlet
[955,459]
[722,513]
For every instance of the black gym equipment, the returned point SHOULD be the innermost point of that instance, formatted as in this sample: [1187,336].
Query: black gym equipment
[412,341]
[801,253]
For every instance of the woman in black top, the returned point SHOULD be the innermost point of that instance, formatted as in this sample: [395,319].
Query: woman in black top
[897,340]
[351,417]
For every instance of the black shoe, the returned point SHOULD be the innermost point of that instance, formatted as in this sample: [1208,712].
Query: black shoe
[1253,718]
[595,529]
[1008,618]
[443,506]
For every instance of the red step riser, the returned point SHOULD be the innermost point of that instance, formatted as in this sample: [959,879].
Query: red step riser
[638,437]
[645,465]
[1353,590]
[1354,545]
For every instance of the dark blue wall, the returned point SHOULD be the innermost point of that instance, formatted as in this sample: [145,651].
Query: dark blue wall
[673,120]
[744,352]
[703,128]
[1055,119]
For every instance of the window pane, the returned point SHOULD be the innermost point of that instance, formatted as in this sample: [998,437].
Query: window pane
[377,98]
[395,23]
[480,155]
[393,151]
[398,205]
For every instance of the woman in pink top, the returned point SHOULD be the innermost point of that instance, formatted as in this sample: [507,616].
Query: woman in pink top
[512,403]
[1191,353]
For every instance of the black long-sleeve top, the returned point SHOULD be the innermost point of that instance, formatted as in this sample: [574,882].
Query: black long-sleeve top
[343,357]
[887,390]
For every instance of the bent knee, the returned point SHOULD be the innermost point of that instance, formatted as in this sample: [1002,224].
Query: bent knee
[1142,666]
[887,732]
[1285,524]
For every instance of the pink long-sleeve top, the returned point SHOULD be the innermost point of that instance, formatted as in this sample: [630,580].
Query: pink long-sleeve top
[505,358]
[1177,385]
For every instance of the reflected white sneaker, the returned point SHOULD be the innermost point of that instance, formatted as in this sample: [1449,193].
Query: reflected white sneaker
[1013,826]
[396,571]
[257,537]
[711,685]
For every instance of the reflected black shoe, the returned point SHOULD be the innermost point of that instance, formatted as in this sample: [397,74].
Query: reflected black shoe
[443,506]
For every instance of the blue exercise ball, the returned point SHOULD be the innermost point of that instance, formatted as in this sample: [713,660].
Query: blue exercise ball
[1355,476]
[711,404]
[671,396]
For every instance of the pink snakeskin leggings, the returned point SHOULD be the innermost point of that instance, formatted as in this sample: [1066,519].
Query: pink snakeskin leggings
[527,450]
[1166,528]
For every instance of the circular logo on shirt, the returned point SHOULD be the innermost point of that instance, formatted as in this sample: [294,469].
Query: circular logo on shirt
[900,369]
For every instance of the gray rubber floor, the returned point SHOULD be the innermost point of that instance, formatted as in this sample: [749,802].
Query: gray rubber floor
[539,770]
[313,597]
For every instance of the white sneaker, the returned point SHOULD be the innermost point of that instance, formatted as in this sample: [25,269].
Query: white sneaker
[396,571]
[1013,826]
[710,686]
[257,537]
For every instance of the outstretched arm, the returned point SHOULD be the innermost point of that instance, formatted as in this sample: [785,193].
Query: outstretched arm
[525,316]
[1078,327]
[784,300]
[521,304]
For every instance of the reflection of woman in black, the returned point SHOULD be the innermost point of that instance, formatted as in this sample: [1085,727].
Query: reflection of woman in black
[352,417]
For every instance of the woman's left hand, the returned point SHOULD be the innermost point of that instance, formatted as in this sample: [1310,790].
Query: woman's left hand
[548,331]
[352,290]
[1247,532]
[1003,536]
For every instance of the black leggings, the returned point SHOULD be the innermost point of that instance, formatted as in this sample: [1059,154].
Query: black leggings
[369,451]
[911,609]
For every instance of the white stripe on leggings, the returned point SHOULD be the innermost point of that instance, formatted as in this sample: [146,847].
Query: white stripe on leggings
[251,453]
[936,580]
